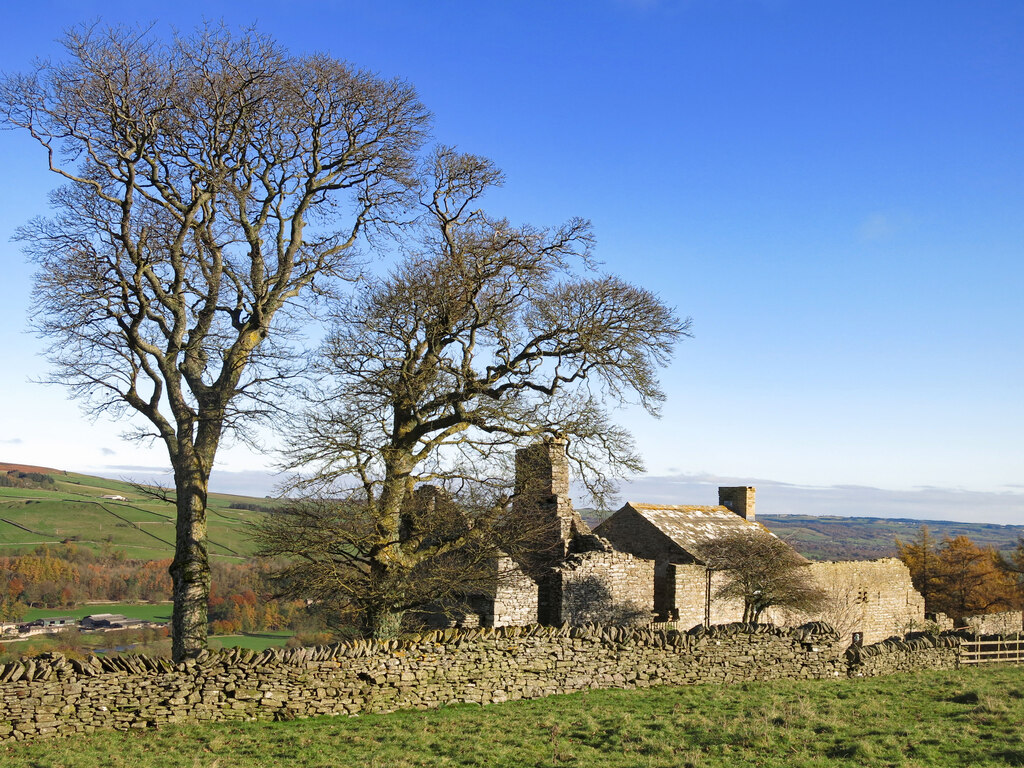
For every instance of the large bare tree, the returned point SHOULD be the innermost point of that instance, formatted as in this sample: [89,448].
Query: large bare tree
[484,337]
[212,182]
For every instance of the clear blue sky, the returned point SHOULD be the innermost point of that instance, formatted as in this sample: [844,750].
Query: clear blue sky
[833,190]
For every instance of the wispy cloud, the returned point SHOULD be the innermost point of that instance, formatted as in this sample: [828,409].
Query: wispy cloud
[12,441]
[1003,507]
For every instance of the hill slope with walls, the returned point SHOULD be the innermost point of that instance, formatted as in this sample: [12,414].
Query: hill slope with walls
[867,538]
[39,505]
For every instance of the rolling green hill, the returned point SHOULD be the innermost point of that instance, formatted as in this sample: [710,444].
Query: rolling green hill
[72,508]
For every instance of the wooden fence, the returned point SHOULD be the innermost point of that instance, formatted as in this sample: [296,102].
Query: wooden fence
[992,651]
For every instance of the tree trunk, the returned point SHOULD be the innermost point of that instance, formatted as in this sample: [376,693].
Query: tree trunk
[384,623]
[190,569]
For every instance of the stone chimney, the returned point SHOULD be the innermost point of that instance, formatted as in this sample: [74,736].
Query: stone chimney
[542,494]
[542,471]
[738,499]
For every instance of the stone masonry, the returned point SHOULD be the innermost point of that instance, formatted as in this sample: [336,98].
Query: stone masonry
[1004,623]
[53,695]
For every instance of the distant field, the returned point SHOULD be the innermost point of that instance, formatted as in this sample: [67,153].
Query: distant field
[964,718]
[142,527]
[103,642]
[147,611]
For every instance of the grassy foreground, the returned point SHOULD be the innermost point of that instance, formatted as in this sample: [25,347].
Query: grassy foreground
[965,718]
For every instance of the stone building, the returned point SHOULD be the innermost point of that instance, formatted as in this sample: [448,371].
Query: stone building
[874,598]
[644,562]
[580,576]
[567,575]
[671,536]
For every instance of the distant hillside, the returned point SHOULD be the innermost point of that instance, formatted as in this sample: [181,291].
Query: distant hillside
[865,538]
[72,508]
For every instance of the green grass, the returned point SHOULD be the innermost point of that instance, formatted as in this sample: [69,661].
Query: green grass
[965,718]
[142,527]
[147,611]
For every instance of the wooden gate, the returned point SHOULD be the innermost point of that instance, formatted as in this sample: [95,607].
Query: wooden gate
[992,651]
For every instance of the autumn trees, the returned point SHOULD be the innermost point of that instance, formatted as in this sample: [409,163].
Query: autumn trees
[959,578]
[211,183]
[484,337]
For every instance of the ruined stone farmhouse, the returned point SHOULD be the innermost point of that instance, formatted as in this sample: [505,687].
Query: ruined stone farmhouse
[643,564]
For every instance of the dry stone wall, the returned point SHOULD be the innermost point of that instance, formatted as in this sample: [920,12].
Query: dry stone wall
[53,695]
[515,597]
[691,592]
[1006,623]
[909,654]
[873,597]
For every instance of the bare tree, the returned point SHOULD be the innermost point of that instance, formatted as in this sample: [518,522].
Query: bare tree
[763,571]
[212,182]
[453,554]
[482,339]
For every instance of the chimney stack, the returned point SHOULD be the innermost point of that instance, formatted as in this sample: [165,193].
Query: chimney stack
[738,499]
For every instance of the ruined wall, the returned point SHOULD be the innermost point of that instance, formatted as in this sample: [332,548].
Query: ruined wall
[691,589]
[603,586]
[510,600]
[875,597]
[542,497]
[1006,623]
[515,598]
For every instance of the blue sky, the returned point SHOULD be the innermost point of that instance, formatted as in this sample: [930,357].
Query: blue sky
[834,191]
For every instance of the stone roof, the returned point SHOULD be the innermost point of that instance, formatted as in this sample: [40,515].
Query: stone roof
[690,526]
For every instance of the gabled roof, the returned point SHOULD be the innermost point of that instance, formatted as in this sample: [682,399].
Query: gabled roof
[690,526]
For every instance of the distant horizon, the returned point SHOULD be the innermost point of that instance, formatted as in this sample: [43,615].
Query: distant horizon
[773,497]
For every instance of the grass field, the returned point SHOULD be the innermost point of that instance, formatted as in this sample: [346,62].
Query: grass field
[964,718]
[130,641]
[141,527]
[147,611]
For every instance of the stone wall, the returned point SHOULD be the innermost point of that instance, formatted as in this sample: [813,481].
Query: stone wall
[515,598]
[904,655]
[1006,623]
[691,590]
[603,585]
[52,695]
[873,597]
